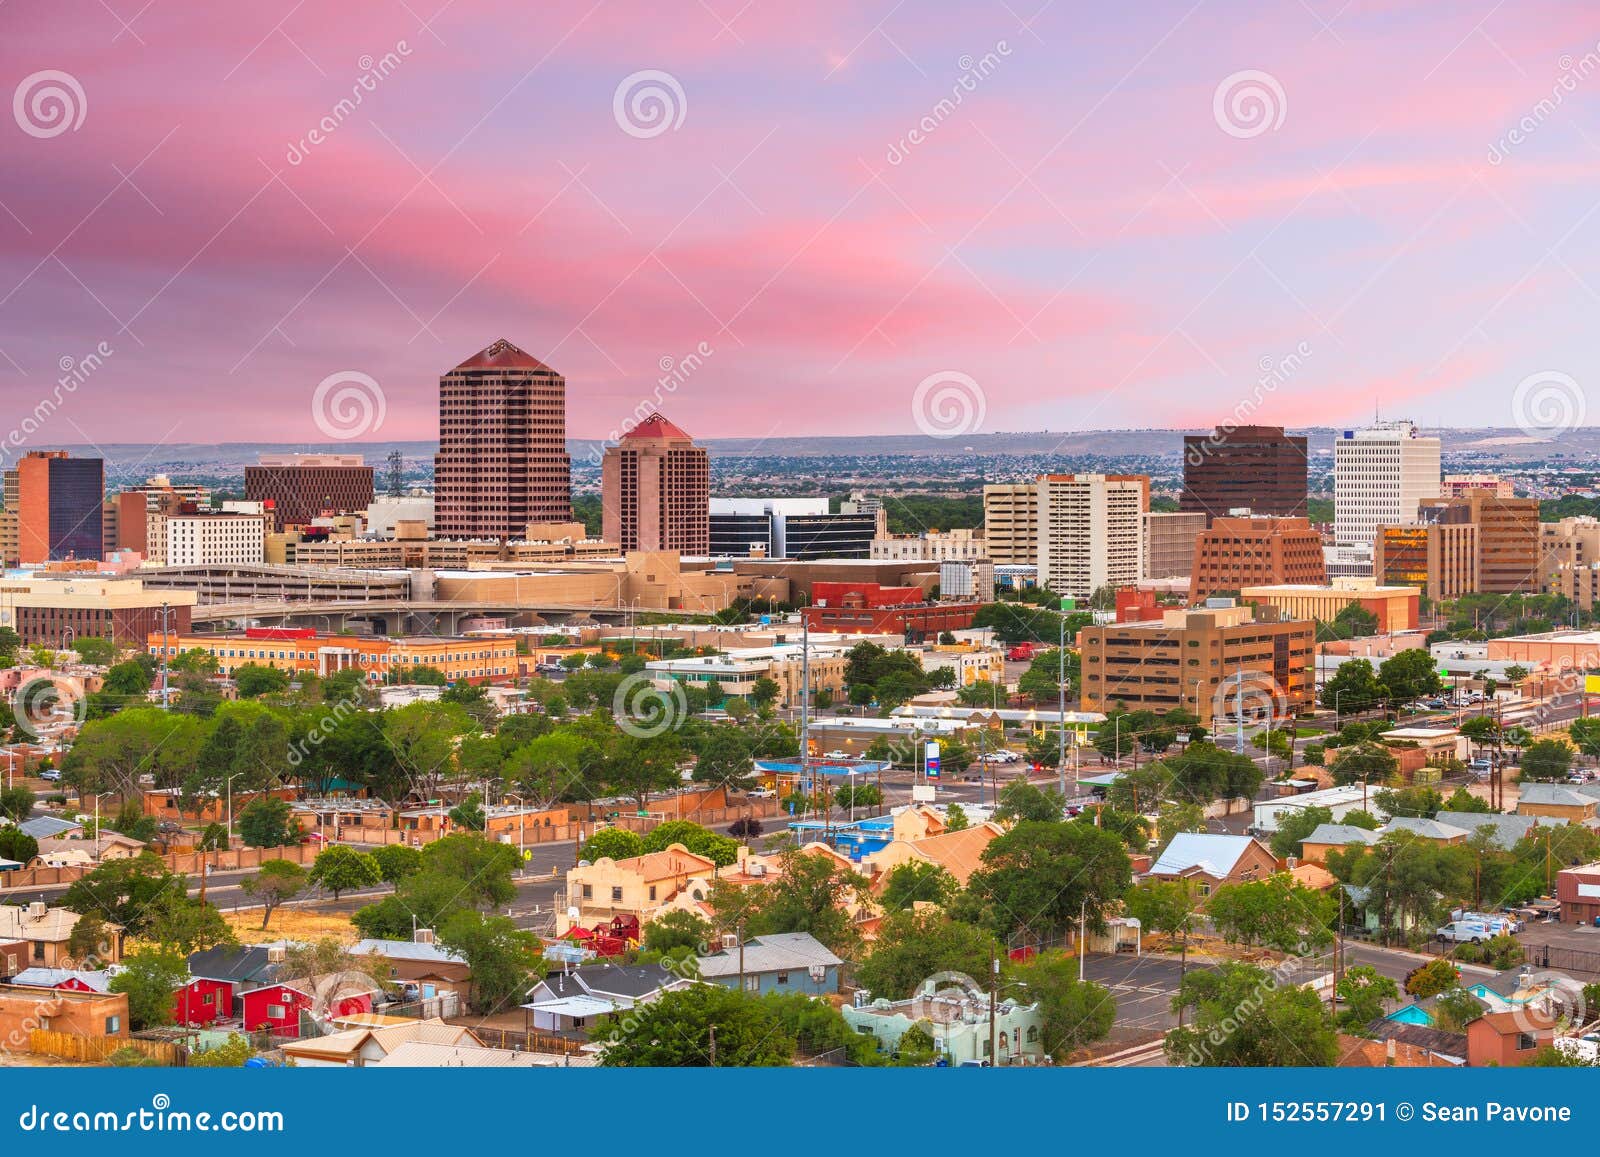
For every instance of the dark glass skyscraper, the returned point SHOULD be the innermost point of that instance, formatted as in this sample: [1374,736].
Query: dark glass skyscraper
[1259,468]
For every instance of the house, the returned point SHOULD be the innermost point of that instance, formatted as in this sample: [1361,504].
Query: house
[1447,1046]
[781,962]
[46,827]
[1506,1039]
[960,853]
[1575,805]
[361,1046]
[572,1000]
[1578,892]
[1327,838]
[957,1018]
[71,852]
[422,968]
[251,984]
[1506,831]
[1360,1053]
[1213,860]
[59,1010]
[48,931]
[1434,831]
[638,886]
[71,979]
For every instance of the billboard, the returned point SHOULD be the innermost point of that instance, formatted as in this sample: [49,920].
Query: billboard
[931,758]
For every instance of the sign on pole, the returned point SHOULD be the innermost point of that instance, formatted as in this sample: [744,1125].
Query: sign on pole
[932,758]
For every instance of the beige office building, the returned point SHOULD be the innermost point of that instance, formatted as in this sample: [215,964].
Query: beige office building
[1169,543]
[1091,531]
[1011,523]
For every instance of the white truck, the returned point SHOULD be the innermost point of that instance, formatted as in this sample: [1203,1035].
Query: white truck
[1466,932]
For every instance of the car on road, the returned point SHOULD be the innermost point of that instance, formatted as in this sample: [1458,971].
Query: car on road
[835,755]
[50,775]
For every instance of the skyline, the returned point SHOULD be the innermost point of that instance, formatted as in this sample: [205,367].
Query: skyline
[786,219]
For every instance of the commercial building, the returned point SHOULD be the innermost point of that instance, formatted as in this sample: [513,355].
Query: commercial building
[481,659]
[1395,608]
[215,538]
[1578,890]
[737,670]
[962,544]
[299,488]
[1249,552]
[971,580]
[866,608]
[797,528]
[1259,468]
[1551,650]
[655,486]
[60,507]
[1569,555]
[1439,558]
[1455,485]
[1091,531]
[1508,537]
[1011,523]
[1169,543]
[502,460]
[1194,658]
[1380,474]
[124,610]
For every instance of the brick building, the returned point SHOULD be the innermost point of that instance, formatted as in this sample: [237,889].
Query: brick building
[655,487]
[866,608]
[1508,537]
[1244,552]
[60,507]
[302,487]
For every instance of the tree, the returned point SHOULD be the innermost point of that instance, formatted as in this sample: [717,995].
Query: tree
[1295,826]
[917,881]
[124,892]
[1276,912]
[1365,761]
[1410,674]
[231,1054]
[94,650]
[677,930]
[274,882]
[678,1029]
[396,862]
[1515,674]
[268,822]
[1167,907]
[214,838]
[148,978]
[253,681]
[16,803]
[614,844]
[1363,990]
[1040,877]
[1462,800]
[723,758]
[702,842]
[469,813]
[1076,1012]
[1178,816]
[90,943]
[480,867]
[806,896]
[340,869]
[1546,759]
[500,955]
[864,795]
[912,946]
[640,766]
[1020,800]
[1243,1016]
[186,925]
[1416,802]
[1455,1009]
[18,845]
[1483,729]
[1353,688]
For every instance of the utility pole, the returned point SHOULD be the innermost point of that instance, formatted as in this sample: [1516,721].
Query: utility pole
[994,986]
[1061,708]
[713,1046]
[1083,910]
[739,930]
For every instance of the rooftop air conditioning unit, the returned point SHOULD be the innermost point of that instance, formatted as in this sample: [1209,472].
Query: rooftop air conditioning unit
[729,940]
[758,869]
[422,935]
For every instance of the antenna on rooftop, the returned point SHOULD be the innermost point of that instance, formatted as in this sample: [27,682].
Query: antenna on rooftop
[396,485]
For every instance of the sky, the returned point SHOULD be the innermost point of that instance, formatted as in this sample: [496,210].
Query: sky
[283,221]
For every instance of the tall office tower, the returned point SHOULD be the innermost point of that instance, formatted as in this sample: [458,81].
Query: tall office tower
[1508,537]
[502,460]
[301,487]
[1011,523]
[1380,474]
[1091,531]
[59,507]
[655,490]
[125,522]
[1259,468]
[1257,551]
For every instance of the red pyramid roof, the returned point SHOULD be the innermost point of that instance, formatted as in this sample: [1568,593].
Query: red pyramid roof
[655,426]
[502,355]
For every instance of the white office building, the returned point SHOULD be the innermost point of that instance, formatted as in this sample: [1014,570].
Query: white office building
[966,579]
[1379,475]
[1091,531]
[210,539]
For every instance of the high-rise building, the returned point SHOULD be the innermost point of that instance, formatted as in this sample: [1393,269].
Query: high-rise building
[301,487]
[1011,523]
[1169,543]
[60,507]
[1380,474]
[1508,537]
[1258,468]
[1245,552]
[791,528]
[215,539]
[655,487]
[1439,558]
[502,460]
[1091,531]
[1203,660]
[1455,484]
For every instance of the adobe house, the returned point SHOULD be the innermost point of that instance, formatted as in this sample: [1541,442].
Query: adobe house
[47,931]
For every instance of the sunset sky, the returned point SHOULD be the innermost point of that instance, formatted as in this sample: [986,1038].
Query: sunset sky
[1090,234]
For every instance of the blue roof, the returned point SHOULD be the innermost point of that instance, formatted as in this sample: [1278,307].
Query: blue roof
[794,767]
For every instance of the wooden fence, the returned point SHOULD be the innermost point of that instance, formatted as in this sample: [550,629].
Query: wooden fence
[93,1050]
[530,1041]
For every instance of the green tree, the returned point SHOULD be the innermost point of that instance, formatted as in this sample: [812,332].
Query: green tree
[677,930]
[1076,1012]
[1178,816]
[613,843]
[1169,908]
[124,892]
[1410,674]
[912,946]
[274,882]
[955,817]
[1276,912]
[1354,688]
[340,869]
[16,803]
[1363,990]
[231,1054]
[500,955]
[1040,877]
[1295,826]
[805,897]
[268,822]
[1243,1016]
[1365,761]
[1020,800]
[18,845]
[917,881]
[678,1029]
[1546,759]
[481,867]
[149,977]
[469,813]
[1432,978]
[397,861]
[702,842]
[254,681]
[185,925]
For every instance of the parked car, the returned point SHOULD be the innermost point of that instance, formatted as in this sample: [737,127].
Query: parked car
[761,793]
[50,775]
[835,755]
[1465,932]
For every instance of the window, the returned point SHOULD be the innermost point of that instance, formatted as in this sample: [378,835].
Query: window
[113,1025]
[652,891]
[782,978]
[208,998]
[1526,1042]
[38,949]
[616,895]
[752,984]
[588,892]
[275,1012]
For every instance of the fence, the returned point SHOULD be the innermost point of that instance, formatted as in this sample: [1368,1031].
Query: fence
[94,1050]
[530,1041]
[1563,959]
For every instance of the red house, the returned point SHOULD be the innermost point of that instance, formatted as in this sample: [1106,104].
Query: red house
[248,985]
[203,1001]
[276,1007]
[70,979]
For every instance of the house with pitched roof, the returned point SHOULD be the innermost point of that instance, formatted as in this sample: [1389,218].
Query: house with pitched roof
[639,886]
[361,1046]
[779,962]
[1211,860]
[959,852]
[1574,804]
[422,969]
[573,999]
[48,931]
[1327,838]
